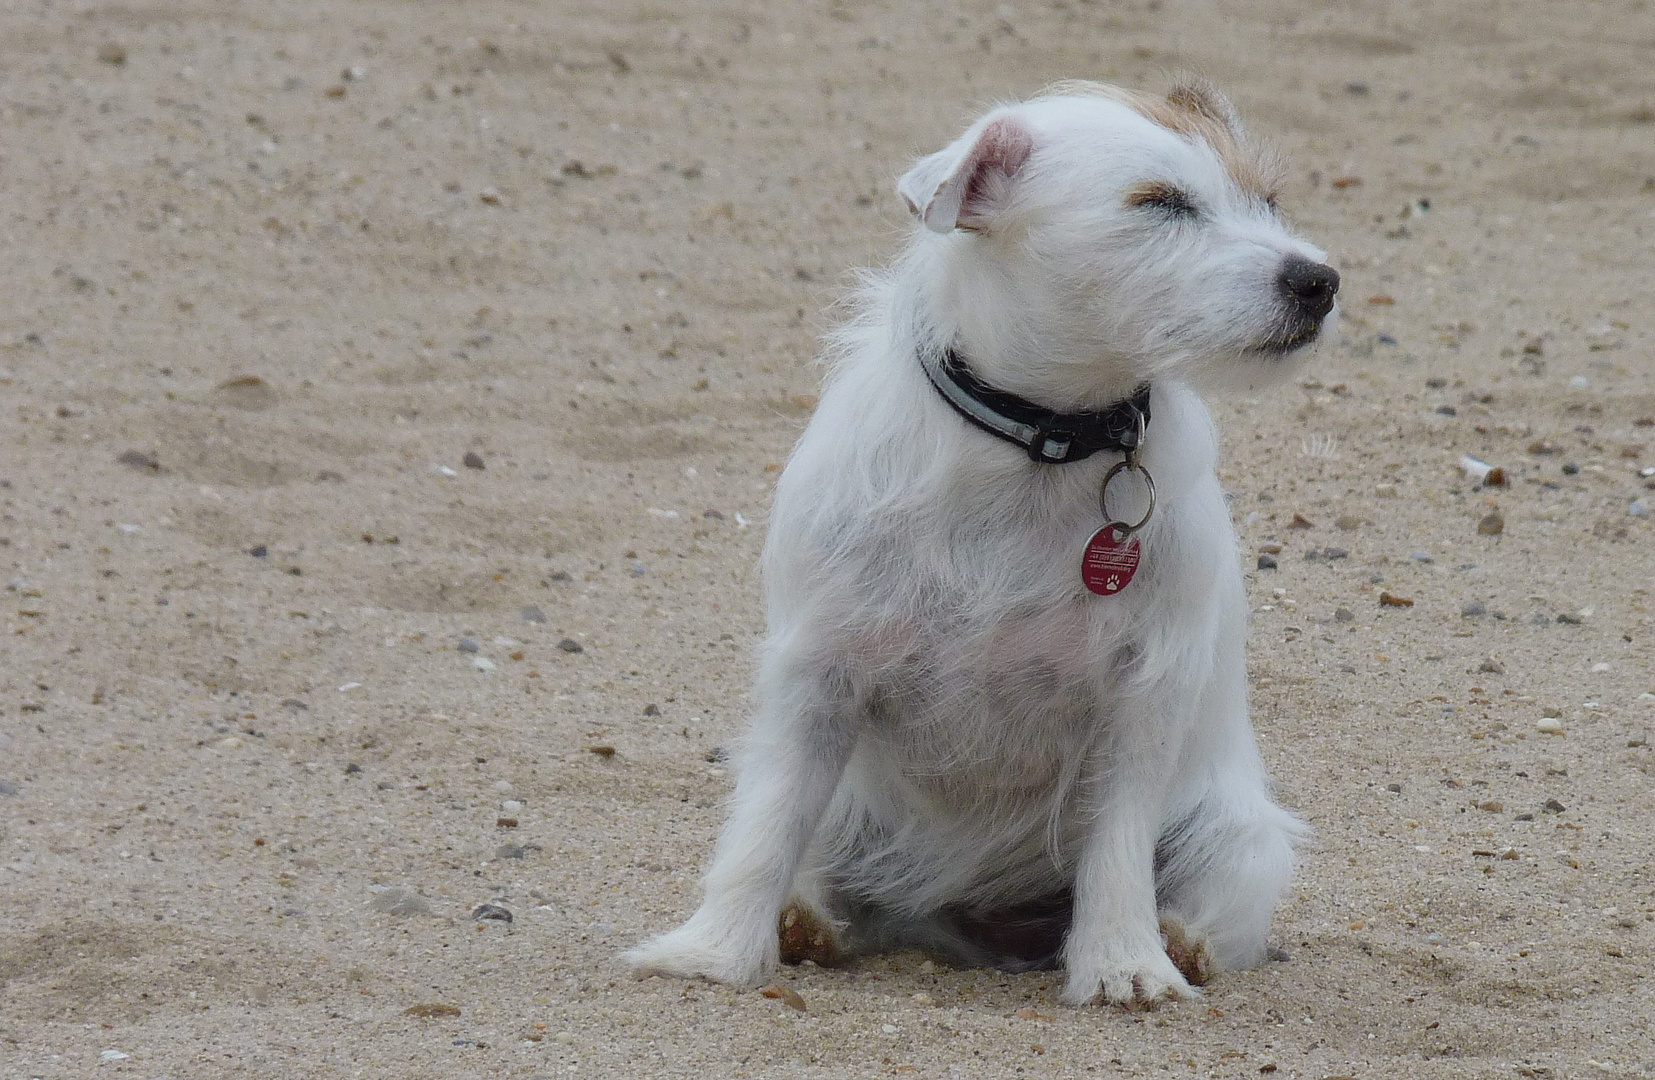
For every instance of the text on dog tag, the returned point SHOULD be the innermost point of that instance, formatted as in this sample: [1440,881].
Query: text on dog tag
[1110,561]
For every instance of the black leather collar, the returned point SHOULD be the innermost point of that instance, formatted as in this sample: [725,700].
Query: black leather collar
[1051,438]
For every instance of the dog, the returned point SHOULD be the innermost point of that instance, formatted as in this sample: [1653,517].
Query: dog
[998,717]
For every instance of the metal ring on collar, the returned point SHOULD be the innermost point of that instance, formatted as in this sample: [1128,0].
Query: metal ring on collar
[1103,495]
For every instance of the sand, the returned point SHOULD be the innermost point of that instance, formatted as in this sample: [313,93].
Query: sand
[273,270]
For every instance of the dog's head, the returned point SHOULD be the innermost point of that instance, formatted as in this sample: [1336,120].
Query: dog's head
[1105,235]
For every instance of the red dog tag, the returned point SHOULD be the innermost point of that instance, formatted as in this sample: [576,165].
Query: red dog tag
[1109,561]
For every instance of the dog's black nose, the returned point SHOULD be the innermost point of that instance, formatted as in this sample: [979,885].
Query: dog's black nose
[1309,286]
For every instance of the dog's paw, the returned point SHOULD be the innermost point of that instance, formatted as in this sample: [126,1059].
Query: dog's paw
[690,953]
[805,935]
[1141,983]
[1188,952]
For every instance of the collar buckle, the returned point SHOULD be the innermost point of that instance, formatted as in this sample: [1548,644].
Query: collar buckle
[1051,447]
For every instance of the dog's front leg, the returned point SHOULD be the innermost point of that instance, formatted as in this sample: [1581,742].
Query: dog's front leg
[1114,948]
[796,751]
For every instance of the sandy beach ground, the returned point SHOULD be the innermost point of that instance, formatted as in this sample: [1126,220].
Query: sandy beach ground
[390,398]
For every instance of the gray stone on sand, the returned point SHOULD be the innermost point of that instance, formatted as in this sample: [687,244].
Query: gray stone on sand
[400,900]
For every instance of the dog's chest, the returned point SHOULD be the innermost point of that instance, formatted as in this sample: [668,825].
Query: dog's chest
[1005,705]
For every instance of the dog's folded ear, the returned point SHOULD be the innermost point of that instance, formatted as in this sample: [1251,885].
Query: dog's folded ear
[965,185]
[1202,98]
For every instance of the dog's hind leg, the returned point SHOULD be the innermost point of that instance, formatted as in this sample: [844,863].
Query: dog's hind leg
[1222,870]
[1226,855]
[797,749]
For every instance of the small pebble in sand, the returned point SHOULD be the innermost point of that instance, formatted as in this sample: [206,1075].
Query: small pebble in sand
[532,614]
[511,806]
[1421,556]
[786,995]
[8,788]
[1267,562]
[1492,523]
[482,663]
[491,911]
[467,645]
[1473,609]
[1639,508]
[1579,382]
[400,900]
[472,460]
[113,1055]
[352,768]
[259,552]
[1344,614]
[1491,666]
[570,645]
[510,851]
[502,786]
[1387,599]
[432,1009]
[1552,806]
[1549,725]
[137,459]
[652,709]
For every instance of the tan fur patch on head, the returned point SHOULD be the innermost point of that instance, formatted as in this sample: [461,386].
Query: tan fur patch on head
[1195,110]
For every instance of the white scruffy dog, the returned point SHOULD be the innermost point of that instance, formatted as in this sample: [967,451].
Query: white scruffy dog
[958,745]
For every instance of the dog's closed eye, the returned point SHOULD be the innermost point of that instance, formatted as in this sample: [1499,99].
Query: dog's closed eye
[1169,199]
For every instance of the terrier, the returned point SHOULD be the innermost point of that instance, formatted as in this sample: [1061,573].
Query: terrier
[1002,706]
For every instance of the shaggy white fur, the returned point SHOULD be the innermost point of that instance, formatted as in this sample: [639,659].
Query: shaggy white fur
[953,737]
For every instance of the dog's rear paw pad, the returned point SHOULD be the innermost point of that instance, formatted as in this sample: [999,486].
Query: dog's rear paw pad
[804,935]
[1189,955]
